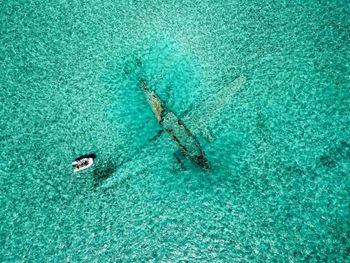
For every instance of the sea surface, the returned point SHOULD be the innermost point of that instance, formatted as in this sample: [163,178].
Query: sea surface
[278,143]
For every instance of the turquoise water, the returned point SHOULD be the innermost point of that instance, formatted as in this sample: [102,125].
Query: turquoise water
[279,189]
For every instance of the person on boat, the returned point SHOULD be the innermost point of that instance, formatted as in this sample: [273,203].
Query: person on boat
[83,162]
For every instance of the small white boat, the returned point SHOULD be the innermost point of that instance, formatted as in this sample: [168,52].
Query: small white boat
[83,162]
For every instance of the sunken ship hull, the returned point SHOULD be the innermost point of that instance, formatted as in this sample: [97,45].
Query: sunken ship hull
[176,128]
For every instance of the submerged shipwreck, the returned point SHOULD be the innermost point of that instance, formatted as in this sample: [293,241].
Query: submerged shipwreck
[181,130]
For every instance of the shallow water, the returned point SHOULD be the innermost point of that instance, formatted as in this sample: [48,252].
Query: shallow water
[279,145]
